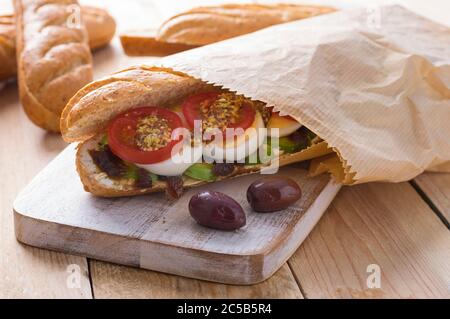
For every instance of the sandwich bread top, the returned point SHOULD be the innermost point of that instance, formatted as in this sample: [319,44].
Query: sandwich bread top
[91,109]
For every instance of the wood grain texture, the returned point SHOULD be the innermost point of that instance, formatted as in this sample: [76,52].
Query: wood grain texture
[27,272]
[112,281]
[384,224]
[152,232]
[437,188]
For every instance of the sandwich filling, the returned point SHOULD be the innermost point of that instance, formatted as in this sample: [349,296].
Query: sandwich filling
[208,137]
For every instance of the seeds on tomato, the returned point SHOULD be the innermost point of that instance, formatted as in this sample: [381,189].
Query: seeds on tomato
[219,111]
[144,135]
[152,133]
[223,112]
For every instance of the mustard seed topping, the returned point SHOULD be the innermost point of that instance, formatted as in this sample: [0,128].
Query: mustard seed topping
[222,112]
[152,133]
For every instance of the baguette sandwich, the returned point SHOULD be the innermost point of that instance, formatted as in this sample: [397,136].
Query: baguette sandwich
[53,57]
[205,25]
[126,126]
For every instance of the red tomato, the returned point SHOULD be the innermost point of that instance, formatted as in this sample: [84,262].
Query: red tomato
[122,132]
[191,110]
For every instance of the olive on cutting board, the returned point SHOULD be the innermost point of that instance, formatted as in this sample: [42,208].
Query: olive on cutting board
[217,210]
[270,194]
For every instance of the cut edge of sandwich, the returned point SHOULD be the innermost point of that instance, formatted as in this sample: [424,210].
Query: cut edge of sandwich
[84,121]
[100,184]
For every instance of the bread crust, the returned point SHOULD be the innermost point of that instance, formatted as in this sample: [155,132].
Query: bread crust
[7,47]
[100,26]
[205,25]
[54,60]
[89,111]
[144,42]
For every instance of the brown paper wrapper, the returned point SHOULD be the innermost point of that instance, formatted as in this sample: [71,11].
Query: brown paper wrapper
[376,88]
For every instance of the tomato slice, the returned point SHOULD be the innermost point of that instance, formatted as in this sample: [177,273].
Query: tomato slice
[122,133]
[191,110]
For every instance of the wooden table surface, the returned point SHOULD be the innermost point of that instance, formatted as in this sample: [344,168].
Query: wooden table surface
[401,228]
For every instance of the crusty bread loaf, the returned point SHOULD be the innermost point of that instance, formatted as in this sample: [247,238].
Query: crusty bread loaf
[144,42]
[100,26]
[204,25]
[7,47]
[54,60]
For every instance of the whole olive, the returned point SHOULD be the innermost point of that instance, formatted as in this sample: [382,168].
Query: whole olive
[270,194]
[217,210]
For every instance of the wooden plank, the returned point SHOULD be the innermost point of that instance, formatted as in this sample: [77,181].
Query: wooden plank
[28,272]
[113,281]
[437,189]
[388,225]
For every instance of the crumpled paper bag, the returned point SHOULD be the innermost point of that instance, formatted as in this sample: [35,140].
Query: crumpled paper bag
[375,88]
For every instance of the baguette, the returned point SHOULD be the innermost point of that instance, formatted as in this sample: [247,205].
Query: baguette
[7,47]
[88,113]
[53,57]
[144,42]
[205,25]
[100,26]
[99,23]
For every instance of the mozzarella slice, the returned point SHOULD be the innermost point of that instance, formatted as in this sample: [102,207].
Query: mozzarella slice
[239,148]
[177,163]
[285,125]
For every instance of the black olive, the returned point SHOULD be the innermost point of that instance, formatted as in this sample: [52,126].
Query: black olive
[217,210]
[223,169]
[271,194]
[174,186]
[108,162]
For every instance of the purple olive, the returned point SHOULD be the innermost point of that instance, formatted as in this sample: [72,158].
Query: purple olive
[270,194]
[216,210]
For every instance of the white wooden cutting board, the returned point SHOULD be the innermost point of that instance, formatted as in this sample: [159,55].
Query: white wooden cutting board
[152,232]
